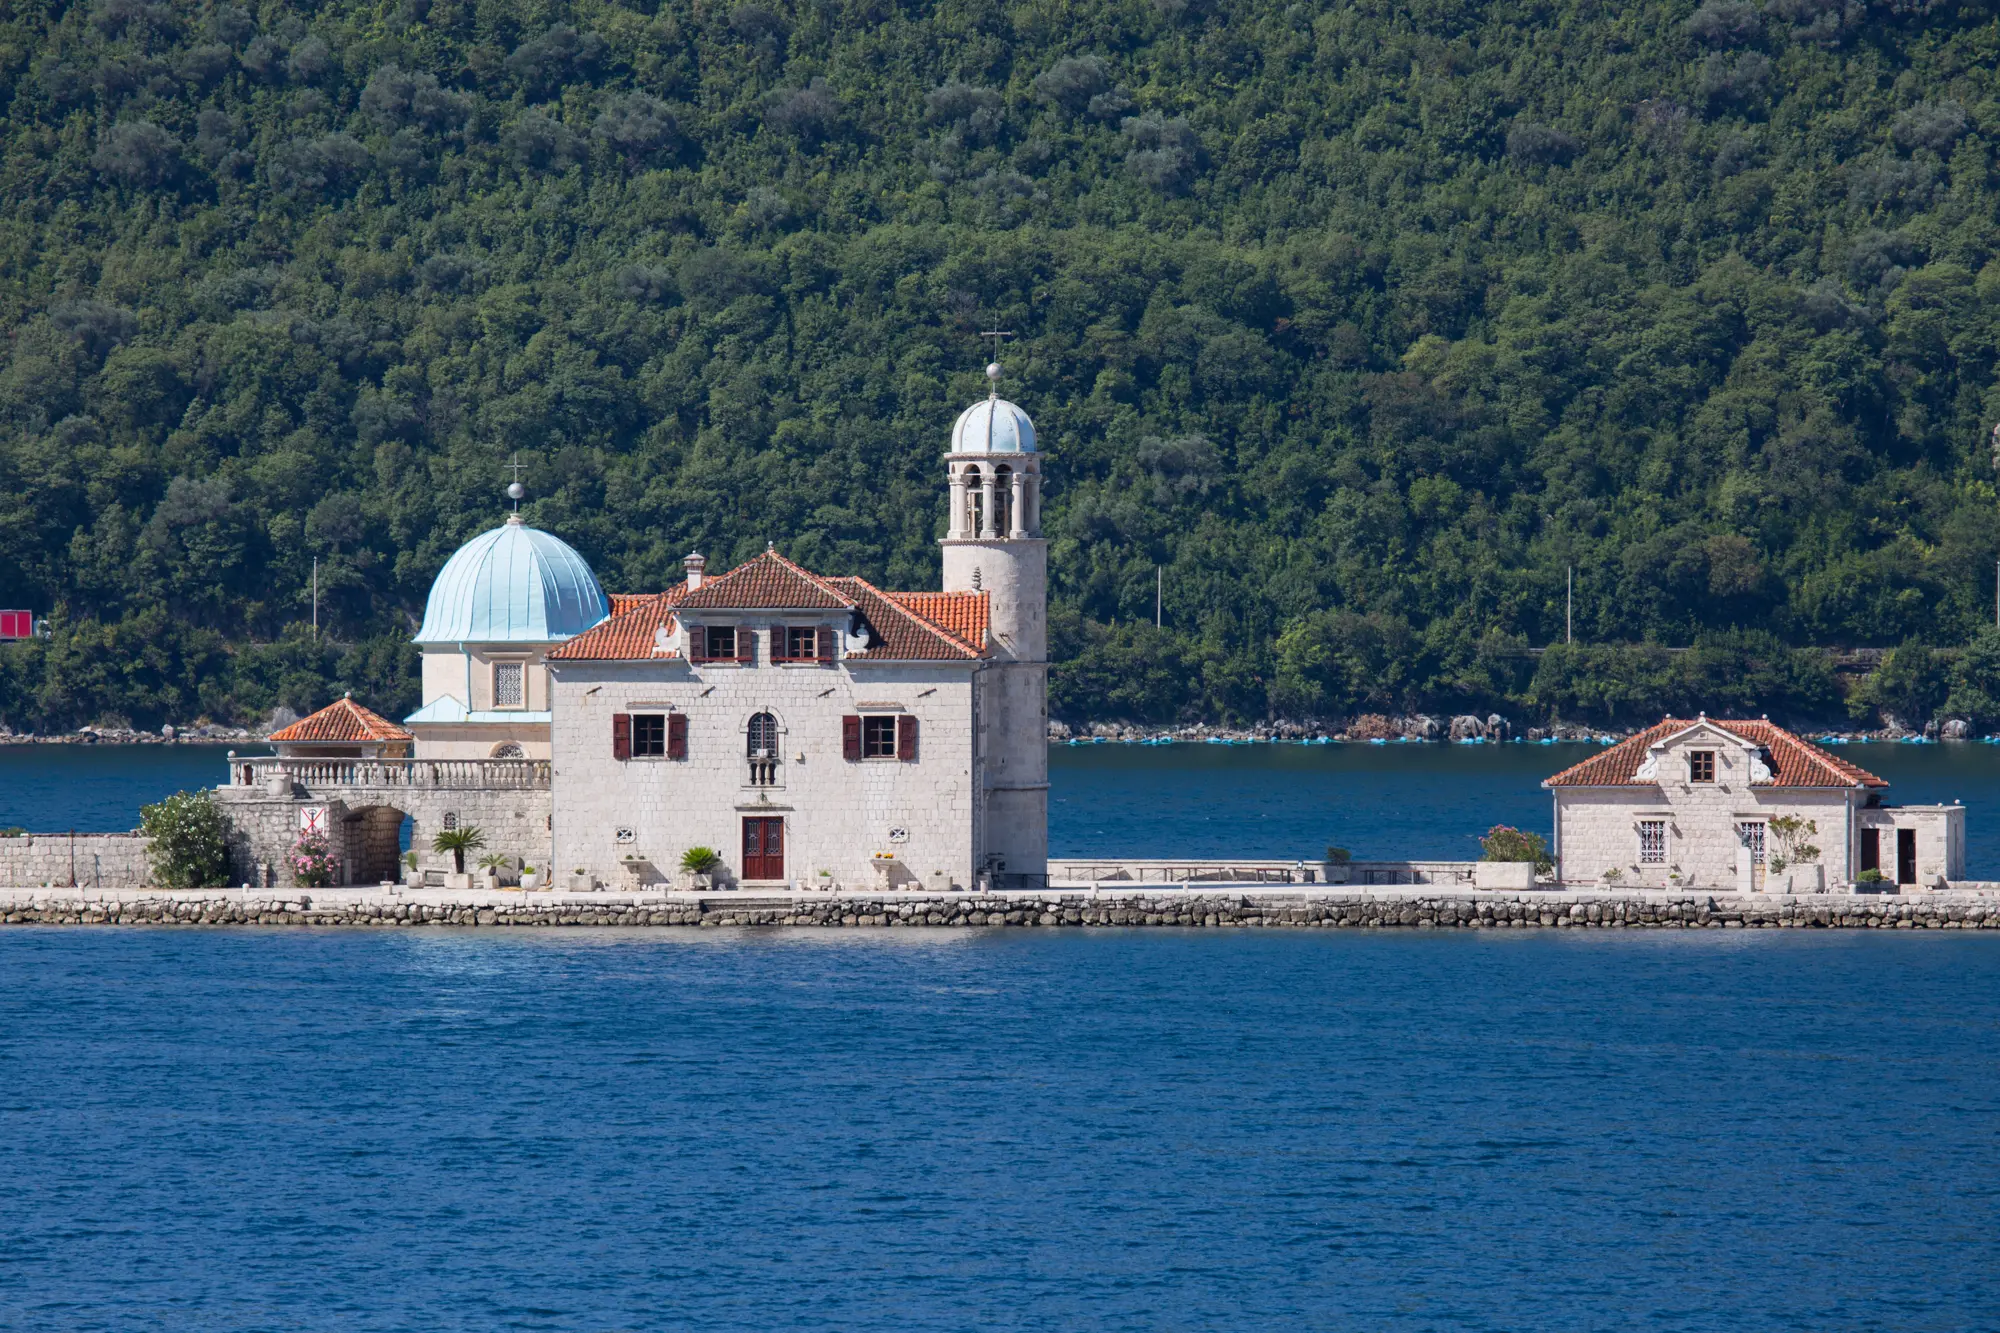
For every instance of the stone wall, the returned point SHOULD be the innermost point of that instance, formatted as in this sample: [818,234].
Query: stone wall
[91,860]
[365,825]
[1209,908]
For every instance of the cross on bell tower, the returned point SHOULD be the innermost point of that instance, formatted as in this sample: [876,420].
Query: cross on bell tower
[515,490]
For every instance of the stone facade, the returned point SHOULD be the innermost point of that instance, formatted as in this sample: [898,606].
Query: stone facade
[90,860]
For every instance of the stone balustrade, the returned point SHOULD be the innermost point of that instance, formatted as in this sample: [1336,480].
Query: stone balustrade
[1228,870]
[396,774]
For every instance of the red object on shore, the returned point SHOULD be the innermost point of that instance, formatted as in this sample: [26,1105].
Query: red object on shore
[17,624]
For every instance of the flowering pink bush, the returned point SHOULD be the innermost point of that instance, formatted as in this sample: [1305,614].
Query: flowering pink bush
[314,865]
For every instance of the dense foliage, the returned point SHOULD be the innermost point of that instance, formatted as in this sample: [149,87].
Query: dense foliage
[1365,322]
[186,848]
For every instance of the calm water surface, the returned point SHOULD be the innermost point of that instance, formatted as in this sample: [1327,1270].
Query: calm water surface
[1170,800]
[1152,1130]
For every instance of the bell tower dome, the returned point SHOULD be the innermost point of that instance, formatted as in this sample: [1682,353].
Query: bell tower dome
[993,542]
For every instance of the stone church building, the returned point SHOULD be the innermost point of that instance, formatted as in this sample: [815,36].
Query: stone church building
[812,729]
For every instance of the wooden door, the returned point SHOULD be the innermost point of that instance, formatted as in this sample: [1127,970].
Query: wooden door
[763,848]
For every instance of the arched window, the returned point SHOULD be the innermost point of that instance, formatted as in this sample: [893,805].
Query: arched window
[509,750]
[975,500]
[1003,500]
[760,742]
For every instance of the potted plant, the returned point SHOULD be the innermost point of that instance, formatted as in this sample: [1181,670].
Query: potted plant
[698,866]
[1337,861]
[492,866]
[580,881]
[531,878]
[1510,859]
[457,842]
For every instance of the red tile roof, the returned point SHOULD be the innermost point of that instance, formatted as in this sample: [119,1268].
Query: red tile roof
[963,614]
[901,634]
[622,602]
[1794,761]
[767,582]
[630,634]
[341,722]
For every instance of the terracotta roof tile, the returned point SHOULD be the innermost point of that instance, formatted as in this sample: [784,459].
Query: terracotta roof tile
[630,634]
[341,722]
[1795,762]
[624,601]
[962,614]
[902,634]
[766,582]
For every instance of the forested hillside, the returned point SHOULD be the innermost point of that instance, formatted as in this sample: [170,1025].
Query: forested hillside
[1364,321]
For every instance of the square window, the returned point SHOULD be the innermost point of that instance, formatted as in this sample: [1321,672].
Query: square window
[509,681]
[722,641]
[802,645]
[878,738]
[649,735]
[1701,765]
[1652,842]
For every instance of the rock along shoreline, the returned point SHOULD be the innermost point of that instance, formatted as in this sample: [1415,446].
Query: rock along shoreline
[1210,906]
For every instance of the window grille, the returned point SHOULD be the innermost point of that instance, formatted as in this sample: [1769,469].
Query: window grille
[1752,835]
[1652,842]
[508,680]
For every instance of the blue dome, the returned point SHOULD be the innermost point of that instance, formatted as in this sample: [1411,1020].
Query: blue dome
[514,584]
[993,426]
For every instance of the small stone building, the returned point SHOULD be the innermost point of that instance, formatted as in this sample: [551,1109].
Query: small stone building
[1734,805]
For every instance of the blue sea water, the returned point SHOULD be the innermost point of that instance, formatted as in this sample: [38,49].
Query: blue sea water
[929,1130]
[1386,802]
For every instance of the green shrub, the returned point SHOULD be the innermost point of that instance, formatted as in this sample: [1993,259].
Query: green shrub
[700,860]
[1503,842]
[187,848]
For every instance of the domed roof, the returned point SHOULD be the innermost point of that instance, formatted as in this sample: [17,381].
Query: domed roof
[513,584]
[993,426]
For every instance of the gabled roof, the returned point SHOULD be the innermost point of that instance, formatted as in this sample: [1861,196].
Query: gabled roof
[767,582]
[962,614]
[342,722]
[904,635]
[1794,761]
[634,634]
[907,626]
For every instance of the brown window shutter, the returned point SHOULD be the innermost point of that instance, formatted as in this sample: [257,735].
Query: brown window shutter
[823,641]
[906,738]
[677,735]
[850,738]
[621,735]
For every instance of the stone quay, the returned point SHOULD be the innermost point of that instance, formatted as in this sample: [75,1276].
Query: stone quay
[1207,906]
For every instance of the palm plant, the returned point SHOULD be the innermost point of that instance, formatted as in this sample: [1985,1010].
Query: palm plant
[459,841]
[699,860]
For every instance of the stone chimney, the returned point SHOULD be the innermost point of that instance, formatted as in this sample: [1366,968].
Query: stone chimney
[695,562]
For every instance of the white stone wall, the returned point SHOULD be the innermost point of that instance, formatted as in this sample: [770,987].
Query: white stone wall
[96,860]
[837,814]
[1014,575]
[1014,748]
[1598,830]
[1940,831]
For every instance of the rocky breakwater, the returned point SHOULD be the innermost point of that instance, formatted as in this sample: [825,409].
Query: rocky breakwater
[1208,907]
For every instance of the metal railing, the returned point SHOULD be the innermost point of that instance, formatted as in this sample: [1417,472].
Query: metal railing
[435,774]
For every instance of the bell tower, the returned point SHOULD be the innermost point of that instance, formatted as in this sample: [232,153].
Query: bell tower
[993,544]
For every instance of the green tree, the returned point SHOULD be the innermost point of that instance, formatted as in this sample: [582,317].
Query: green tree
[458,841]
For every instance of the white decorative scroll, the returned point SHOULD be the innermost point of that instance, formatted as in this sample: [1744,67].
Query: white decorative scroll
[1650,769]
[663,642]
[1759,770]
